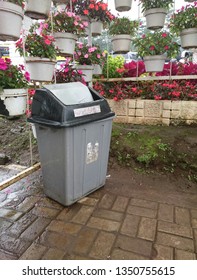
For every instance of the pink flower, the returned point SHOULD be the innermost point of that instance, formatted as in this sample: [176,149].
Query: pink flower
[47,42]
[3,65]
[86,55]
[27,76]
[98,56]
[152,48]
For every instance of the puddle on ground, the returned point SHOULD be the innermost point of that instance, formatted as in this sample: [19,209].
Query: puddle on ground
[14,194]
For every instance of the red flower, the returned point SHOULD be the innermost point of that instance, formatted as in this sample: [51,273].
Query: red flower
[86,12]
[152,48]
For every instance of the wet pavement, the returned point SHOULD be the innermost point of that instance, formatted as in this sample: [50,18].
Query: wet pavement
[118,221]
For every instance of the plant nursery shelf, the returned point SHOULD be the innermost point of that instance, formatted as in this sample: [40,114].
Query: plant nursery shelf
[149,78]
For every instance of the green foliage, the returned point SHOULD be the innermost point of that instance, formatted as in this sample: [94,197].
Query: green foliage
[38,43]
[110,67]
[123,26]
[151,4]
[17,2]
[184,18]
[156,43]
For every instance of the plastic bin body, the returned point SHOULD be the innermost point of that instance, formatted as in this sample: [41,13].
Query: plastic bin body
[74,160]
[73,147]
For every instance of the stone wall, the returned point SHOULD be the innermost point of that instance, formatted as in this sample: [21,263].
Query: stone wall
[152,112]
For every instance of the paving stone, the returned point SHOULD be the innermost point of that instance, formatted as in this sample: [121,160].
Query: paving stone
[45,212]
[50,203]
[147,228]
[53,254]
[120,204]
[182,216]
[107,201]
[35,229]
[83,215]
[55,240]
[61,227]
[166,212]
[184,255]
[19,226]
[4,225]
[108,214]
[119,254]
[103,224]
[175,229]
[144,203]
[102,245]
[140,211]
[75,257]
[84,240]
[194,223]
[9,214]
[175,241]
[130,225]
[14,245]
[88,201]
[163,252]
[7,256]
[28,203]
[195,239]
[34,252]
[194,214]
[135,245]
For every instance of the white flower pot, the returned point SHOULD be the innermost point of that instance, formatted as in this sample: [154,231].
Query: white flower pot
[154,63]
[123,5]
[121,43]
[65,42]
[96,28]
[189,38]
[40,69]
[38,9]
[11,16]
[87,71]
[155,18]
[15,101]
[97,69]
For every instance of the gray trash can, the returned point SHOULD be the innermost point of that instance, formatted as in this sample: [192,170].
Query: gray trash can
[73,140]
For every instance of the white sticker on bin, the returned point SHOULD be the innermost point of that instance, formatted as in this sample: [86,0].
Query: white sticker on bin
[87,111]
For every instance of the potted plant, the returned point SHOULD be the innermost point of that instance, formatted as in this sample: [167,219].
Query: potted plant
[98,60]
[39,51]
[184,23]
[66,27]
[155,12]
[95,11]
[123,5]
[13,83]
[11,17]
[154,48]
[122,30]
[67,74]
[85,57]
[99,14]
[37,9]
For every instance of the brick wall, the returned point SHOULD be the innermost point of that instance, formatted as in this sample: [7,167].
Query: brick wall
[154,112]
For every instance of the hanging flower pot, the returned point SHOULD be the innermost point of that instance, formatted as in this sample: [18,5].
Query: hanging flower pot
[97,69]
[155,18]
[121,43]
[154,63]
[15,101]
[40,69]
[38,9]
[96,28]
[189,38]
[123,5]
[11,16]
[65,42]
[87,71]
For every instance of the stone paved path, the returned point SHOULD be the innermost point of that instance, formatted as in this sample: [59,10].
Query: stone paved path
[118,221]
